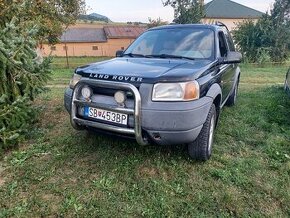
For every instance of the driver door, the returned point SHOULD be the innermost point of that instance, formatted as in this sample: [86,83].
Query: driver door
[227,70]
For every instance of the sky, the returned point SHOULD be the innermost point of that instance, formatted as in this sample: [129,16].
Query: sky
[140,10]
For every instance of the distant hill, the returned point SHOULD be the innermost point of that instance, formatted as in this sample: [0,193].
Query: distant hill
[95,17]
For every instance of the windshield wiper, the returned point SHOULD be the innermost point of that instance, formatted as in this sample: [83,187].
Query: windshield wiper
[134,55]
[169,56]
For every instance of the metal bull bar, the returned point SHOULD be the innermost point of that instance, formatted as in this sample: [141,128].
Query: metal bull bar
[137,131]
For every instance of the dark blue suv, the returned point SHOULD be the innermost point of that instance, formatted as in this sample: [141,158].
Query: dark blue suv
[168,87]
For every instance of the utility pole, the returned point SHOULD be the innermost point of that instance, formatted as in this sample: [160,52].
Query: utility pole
[66,55]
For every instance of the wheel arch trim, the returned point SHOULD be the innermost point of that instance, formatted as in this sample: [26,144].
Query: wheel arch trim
[214,91]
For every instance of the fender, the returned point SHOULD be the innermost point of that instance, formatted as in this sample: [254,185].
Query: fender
[214,91]
[237,76]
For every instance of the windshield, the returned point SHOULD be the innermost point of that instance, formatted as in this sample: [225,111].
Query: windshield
[178,42]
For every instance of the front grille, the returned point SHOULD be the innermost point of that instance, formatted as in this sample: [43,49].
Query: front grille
[103,98]
[110,92]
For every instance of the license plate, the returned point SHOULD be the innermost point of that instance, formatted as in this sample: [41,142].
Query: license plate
[106,115]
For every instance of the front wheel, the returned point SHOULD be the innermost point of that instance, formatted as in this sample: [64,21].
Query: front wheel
[201,148]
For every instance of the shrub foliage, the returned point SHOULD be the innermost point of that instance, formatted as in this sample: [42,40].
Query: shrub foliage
[50,15]
[269,38]
[22,77]
[23,74]
[186,11]
[155,23]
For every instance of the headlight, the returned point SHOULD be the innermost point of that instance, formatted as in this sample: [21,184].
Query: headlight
[120,97]
[86,92]
[74,80]
[186,91]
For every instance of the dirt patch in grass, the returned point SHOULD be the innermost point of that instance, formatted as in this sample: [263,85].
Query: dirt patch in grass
[53,117]
[148,172]
[2,179]
[52,111]
[151,172]
[53,201]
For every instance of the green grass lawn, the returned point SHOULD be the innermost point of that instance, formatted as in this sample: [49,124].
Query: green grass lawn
[61,172]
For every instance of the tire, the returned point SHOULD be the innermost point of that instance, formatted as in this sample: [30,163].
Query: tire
[77,127]
[201,148]
[232,100]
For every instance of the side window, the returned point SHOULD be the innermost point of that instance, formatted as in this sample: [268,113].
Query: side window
[230,41]
[222,45]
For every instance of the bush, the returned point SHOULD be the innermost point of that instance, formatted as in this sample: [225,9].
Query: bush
[22,78]
[269,38]
[155,23]
[258,39]
[263,56]
[23,75]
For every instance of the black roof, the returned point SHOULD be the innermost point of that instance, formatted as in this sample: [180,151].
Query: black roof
[201,26]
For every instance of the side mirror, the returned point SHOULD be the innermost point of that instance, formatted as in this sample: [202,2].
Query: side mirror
[233,57]
[119,53]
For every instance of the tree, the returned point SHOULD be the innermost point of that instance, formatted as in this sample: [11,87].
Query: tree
[253,39]
[280,18]
[186,11]
[155,23]
[22,78]
[268,37]
[23,24]
[52,16]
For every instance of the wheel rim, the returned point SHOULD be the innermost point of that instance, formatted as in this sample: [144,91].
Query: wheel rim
[211,134]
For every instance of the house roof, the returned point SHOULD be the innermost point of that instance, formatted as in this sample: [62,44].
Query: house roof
[229,9]
[118,32]
[84,35]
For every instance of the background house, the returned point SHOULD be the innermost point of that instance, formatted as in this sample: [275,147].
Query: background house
[120,37]
[93,40]
[229,13]
[97,39]
[78,42]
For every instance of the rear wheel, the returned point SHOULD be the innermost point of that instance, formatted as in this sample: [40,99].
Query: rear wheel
[201,148]
[233,97]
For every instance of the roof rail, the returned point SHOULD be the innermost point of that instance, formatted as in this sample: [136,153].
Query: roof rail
[218,23]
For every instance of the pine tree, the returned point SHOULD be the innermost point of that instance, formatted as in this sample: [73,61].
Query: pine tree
[22,77]
[23,24]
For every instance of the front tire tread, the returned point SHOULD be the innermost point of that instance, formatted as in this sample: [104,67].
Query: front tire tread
[198,149]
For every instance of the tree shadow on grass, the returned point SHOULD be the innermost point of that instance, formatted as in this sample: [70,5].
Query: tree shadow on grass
[278,106]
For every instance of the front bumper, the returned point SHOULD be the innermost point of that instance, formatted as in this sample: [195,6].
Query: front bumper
[164,123]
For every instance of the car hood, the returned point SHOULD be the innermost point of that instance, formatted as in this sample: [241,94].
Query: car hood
[145,69]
